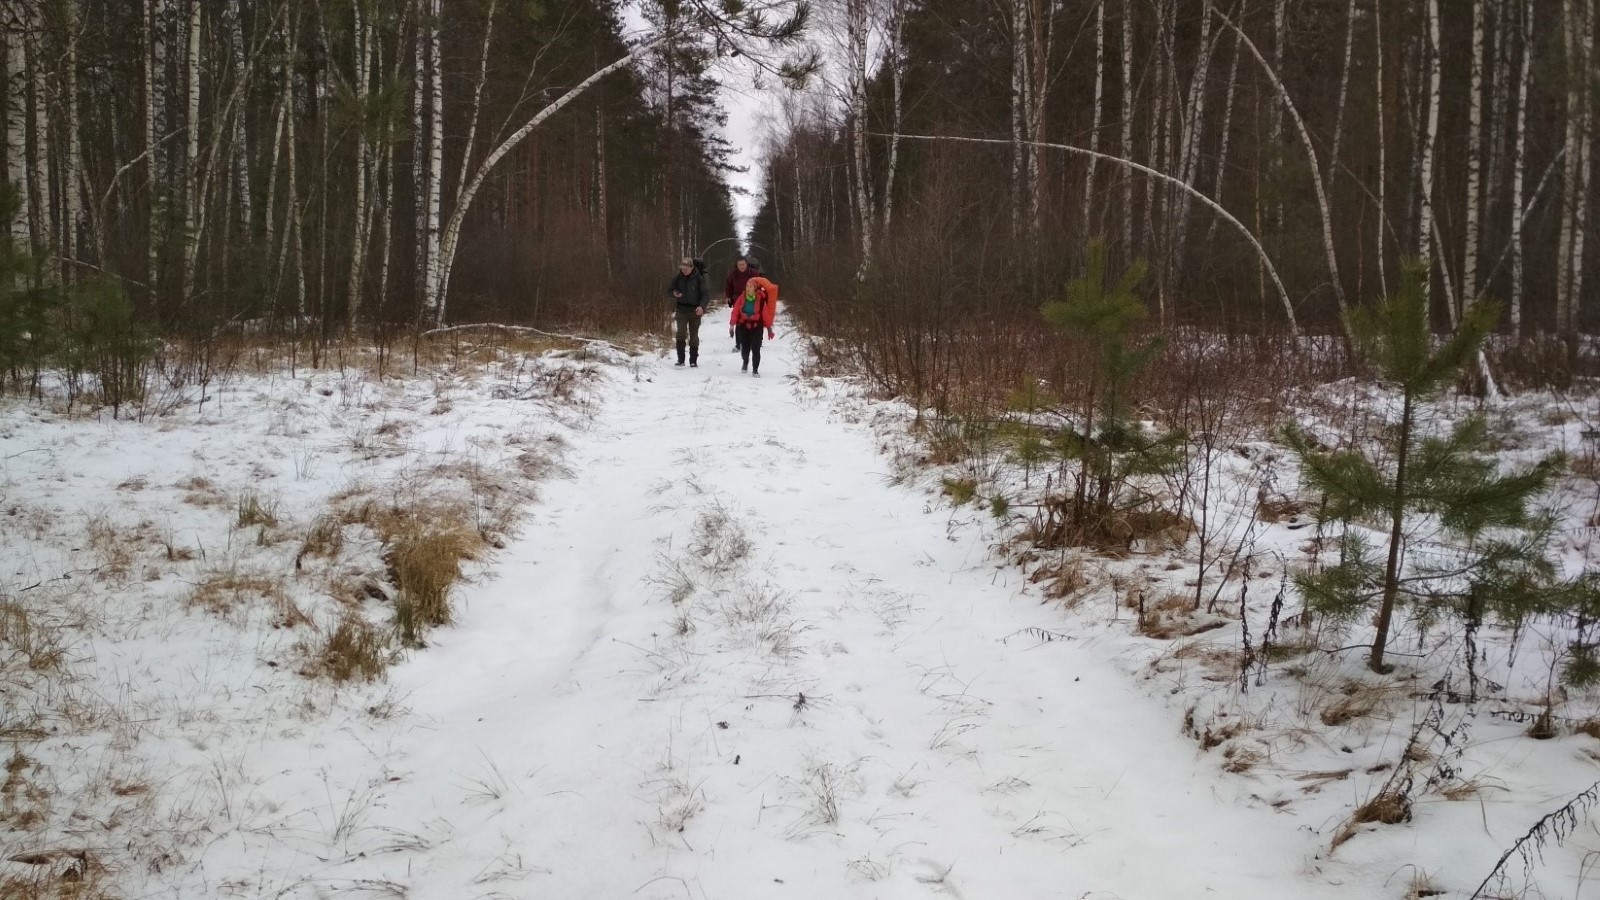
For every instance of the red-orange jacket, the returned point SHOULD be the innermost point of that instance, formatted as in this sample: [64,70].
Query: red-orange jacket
[766,297]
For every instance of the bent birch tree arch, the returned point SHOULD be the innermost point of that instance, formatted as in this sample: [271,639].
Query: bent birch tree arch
[1283,293]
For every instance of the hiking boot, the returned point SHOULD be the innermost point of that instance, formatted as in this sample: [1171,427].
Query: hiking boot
[755,374]
[744,367]
[679,362]
[694,365]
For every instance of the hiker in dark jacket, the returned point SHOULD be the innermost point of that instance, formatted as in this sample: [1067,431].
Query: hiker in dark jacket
[743,270]
[688,290]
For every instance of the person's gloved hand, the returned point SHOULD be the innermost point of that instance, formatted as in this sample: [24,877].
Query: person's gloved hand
[731,331]
[770,335]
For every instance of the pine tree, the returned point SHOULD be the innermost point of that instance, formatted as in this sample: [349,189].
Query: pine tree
[1111,448]
[1412,480]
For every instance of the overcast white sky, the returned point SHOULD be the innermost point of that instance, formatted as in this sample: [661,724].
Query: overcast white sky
[751,112]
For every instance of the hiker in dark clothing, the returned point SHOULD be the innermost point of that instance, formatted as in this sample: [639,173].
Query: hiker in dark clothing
[688,290]
[743,270]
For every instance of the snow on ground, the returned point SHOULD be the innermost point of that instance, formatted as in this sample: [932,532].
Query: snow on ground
[726,655]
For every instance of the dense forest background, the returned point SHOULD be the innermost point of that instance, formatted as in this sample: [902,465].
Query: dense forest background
[332,165]
[1273,161]
[337,164]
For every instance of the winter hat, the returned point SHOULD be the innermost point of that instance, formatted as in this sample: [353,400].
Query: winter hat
[753,262]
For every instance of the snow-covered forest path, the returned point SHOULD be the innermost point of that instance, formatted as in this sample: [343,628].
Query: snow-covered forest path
[828,710]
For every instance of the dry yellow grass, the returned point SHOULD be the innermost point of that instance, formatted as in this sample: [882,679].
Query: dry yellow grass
[226,592]
[353,650]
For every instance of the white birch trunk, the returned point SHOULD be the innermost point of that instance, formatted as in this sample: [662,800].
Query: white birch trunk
[152,139]
[1227,133]
[240,151]
[1430,132]
[1344,91]
[1584,74]
[1280,10]
[477,102]
[72,159]
[897,72]
[41,174]
[1193,125]
[15,100]
[1383,145]
[1569,174]
[419,144]
[191,156]
[1469,254]
[1127,125]
[362,35]
[1099,113]
[1043,27]
[435,310]
[857,25]
[1519,164]
[1019,80]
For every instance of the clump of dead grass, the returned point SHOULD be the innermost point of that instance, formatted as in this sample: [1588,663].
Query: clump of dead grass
[352,650]
[228,592]
[38,646]
[1390,806]
[324,538]
[1171,615]
[254,510]
[1356,700]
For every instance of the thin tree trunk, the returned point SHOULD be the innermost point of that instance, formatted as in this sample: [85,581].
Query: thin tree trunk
[1099,113]
[72,163]
[240,151]
[1430,133]
[1043,29]
[1280,20]
[191,156]
[1344,92]
[1519,163]
[435,311]
[152,140]
[1386,117]
[859,63]
[1019,81]
[15,99]
[362,34]
[41,176]
[291,205]
[1127,125]
[897,73]
[477,101]
[1469,255]
[1582,74]
[1391,572]
[1193,125]
[1227,134]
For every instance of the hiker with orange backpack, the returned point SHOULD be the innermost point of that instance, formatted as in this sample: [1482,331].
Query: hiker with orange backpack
[751,314]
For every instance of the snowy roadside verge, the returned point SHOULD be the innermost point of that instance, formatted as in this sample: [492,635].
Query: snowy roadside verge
[1296,723]
[179,587]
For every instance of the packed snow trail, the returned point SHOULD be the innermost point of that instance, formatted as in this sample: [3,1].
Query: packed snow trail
[579,735]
